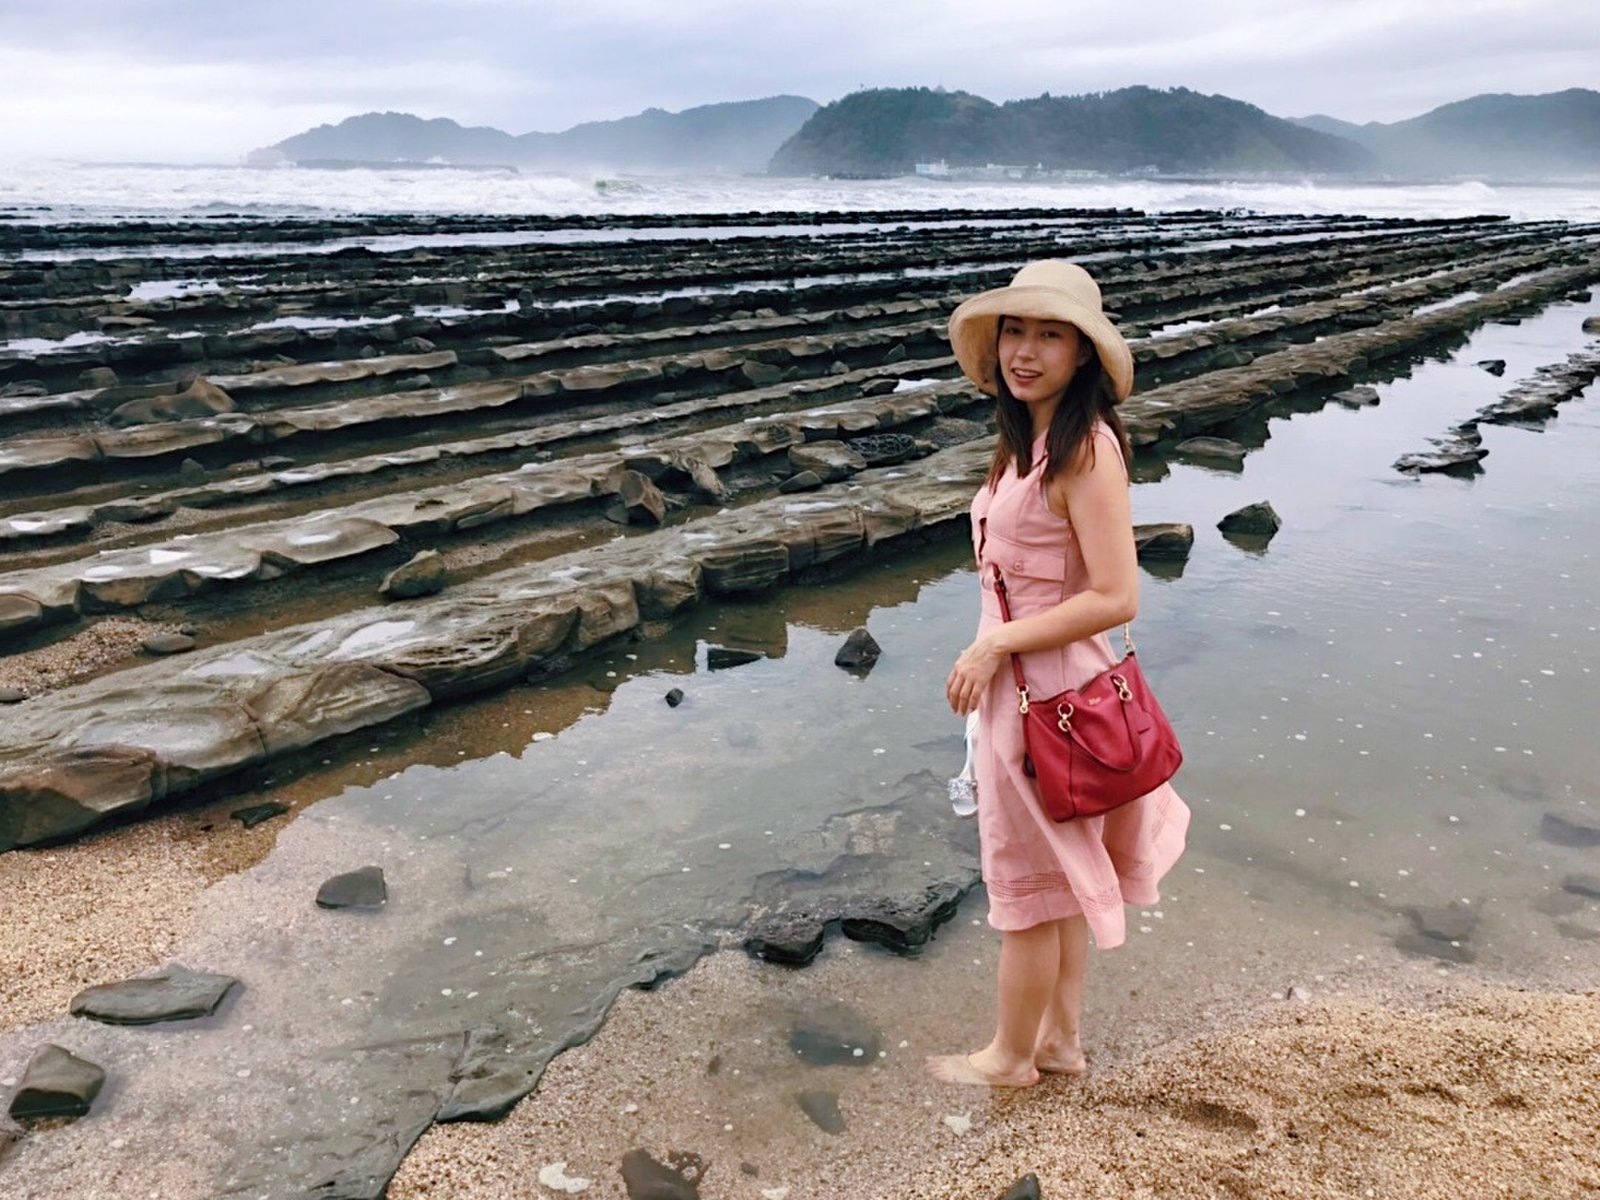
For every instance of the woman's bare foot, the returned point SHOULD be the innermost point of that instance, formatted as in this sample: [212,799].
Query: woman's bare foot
[1060,1058]
[980,1069]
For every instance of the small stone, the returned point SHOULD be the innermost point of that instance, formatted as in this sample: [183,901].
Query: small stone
[1591,325]
[959,1123]
[253,814]
[647,1179]
[422,575]
[1582,885]
[674,697]
[859,652]
[1298,994]
[637,502]
[1026,1188]
[1562,832]
[1166,542]
[11,695]
[168,643]
[1495,366]
[191,472]
[173,994]
[720,658]
[1450,923]
[355,889]
[802,481]
[98,377]
[823,1109]
[57,1083]
[896,353]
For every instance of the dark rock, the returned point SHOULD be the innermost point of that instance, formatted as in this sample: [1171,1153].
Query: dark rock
[647,1179]
[803,481]
[355,889]
[422,575]
[1458,454]
[415,345]
[173,994]
[1428,947]
[253,814]
[823,1109]
[896,353]
[903,923]
[1163,542]
[836,1036]
[859,652]
[1581,296]
[838,368]
[790,940]
[1357,397]
[11,695]
[1253,520]
[879,387]
[1562,832]
[637,502]
[884,449]
[1495,366]
[1026,1188]
[1450,923]
[1578,931]
[1582,885]
[168,643]
[23,388]
[98,377]
[57,1083]
[1591,325]
[720,658]
[1211,449]
[191,472]
[674,697]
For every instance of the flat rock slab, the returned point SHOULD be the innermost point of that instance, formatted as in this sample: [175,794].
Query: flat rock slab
[354,889]
[56,1084]
[174,994]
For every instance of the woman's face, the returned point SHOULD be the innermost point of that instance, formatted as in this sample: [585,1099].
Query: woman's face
[1038,358]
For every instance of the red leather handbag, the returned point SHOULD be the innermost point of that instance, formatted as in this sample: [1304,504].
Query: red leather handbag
[1095,747]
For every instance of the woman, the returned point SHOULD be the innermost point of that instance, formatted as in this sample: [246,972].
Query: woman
[1054,515]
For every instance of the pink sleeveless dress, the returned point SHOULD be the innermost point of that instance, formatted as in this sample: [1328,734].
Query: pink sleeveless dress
[1036,869]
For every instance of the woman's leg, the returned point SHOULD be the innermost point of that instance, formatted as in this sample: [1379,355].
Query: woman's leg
[1058,1046]
[1030,966]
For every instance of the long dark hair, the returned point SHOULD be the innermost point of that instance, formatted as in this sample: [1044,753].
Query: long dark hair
[1070,439]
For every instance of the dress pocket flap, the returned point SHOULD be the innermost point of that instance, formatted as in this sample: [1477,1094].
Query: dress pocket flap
[1013,558]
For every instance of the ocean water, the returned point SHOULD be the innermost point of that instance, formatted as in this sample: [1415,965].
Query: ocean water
[49,191]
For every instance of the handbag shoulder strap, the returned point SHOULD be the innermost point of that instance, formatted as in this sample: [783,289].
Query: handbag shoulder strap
[1016,662]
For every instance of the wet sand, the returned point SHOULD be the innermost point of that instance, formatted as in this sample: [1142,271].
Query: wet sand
[1460,1090]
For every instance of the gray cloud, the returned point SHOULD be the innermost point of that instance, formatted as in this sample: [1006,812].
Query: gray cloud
[184,80]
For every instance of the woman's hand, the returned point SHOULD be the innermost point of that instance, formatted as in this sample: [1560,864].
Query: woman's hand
[971,675]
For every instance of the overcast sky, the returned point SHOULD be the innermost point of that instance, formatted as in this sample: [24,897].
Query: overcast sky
[209,80]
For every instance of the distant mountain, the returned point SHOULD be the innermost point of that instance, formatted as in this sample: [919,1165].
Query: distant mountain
[740,136]
[1499,136]
[888,130]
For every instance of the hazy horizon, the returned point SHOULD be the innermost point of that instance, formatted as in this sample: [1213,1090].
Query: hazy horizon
[185,81]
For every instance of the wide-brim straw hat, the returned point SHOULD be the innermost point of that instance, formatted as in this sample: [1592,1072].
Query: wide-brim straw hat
[1051,290]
